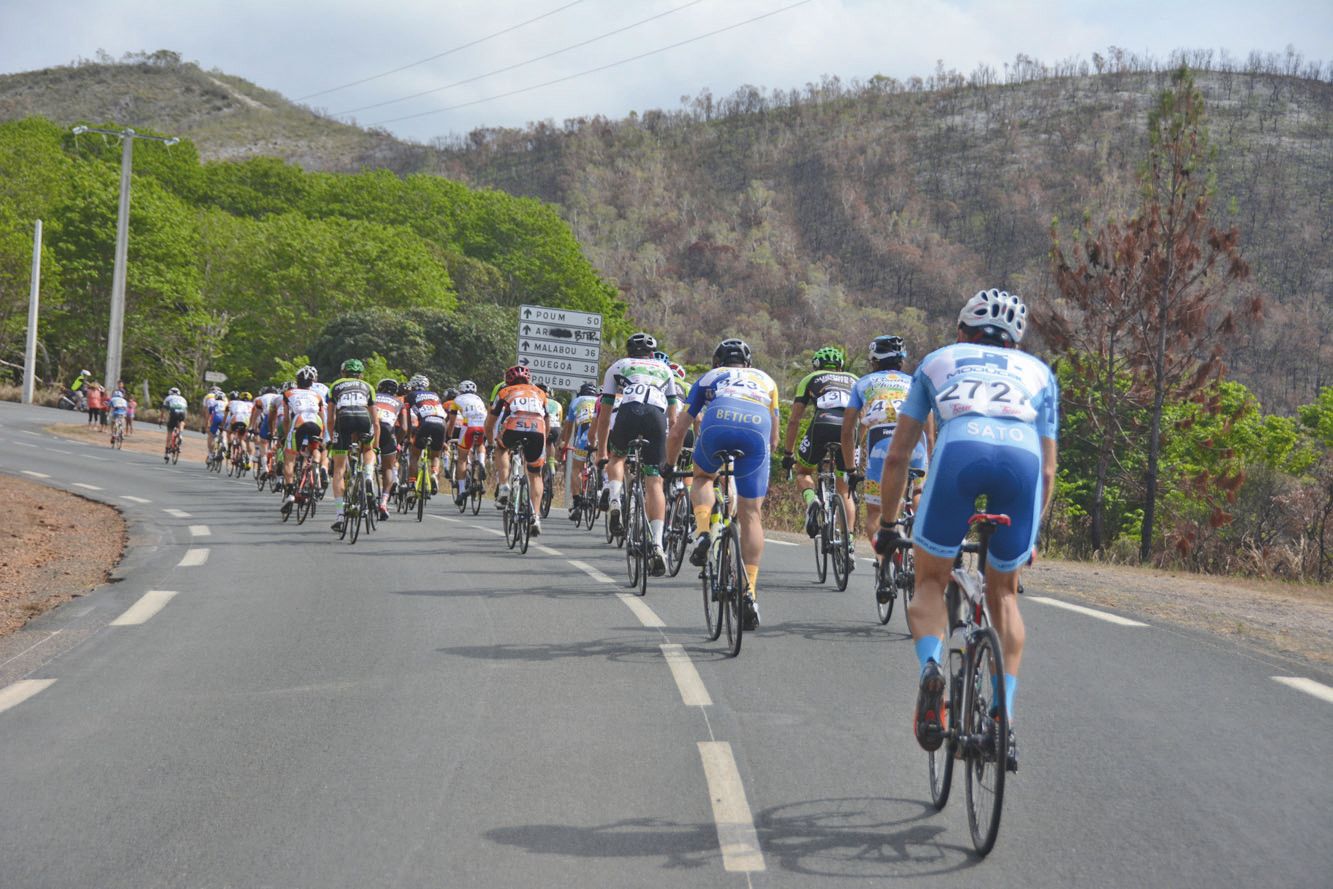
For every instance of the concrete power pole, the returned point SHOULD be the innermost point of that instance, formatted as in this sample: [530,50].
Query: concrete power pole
[115,337]
[30,346]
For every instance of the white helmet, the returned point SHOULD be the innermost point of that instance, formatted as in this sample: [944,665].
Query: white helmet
[999,313]
[467,387]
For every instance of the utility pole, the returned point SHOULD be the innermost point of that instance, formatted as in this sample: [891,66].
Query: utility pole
[116,332]
[30,345]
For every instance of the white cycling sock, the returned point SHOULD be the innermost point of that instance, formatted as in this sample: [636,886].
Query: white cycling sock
[655,525]
[613,489]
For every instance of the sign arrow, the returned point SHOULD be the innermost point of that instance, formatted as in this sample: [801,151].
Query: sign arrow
[527,313]
[526,346]
[523,361]
[526,330]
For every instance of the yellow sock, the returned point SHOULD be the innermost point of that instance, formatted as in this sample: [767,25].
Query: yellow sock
[752,573]
[701,516]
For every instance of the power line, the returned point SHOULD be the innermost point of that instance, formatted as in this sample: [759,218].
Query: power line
[520,64]
[461,46]
[644,55]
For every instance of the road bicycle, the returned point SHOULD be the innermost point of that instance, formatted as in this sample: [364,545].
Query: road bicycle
[517,510]
[976,720]
[172,454]
[726,591]
[589,492]
[117,431]
[360,502]
[833,543]
[679,527]
[548,486]
[307,483]
[218,455]
[895,573]
[237,461]
[421,485]
[634,518]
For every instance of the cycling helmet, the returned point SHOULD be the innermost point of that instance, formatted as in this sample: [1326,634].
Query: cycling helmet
[677,370]
[388,386]
[589,390]
[305,377]
[828,357]
[467,387]
[173,391]
[313,371]
[450,394]
[732,352]
[640,345]
[353,366]
[233,394]
[517,374]
[267,390]
[246,396]
[998,314]
[288,386]
[85,373]
[419,383]
[882,348]
[662,356]
[403,389]
[544,388]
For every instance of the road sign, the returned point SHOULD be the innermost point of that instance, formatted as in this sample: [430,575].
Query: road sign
[560,346]
[214,376]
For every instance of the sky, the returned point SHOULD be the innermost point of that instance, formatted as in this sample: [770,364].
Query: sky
[307,49]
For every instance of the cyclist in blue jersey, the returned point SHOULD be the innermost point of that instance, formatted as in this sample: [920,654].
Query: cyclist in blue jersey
[997,409]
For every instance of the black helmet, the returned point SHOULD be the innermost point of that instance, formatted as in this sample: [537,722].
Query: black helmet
[388,385]
[267,390]
[449,394]
[640,345]
[732,353]
[589,390]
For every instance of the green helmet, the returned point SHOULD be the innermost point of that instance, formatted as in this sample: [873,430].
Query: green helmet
[829,356]
[353,366]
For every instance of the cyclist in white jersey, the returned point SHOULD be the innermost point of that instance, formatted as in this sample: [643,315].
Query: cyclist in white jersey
[469,415]
[998,412]
[322,391]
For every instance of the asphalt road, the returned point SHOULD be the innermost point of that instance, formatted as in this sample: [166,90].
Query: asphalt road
[426,708]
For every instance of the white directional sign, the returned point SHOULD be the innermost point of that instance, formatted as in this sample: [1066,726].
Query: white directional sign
[560,346]
[214,376]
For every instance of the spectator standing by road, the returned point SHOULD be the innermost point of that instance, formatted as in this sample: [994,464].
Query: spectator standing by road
[94,403]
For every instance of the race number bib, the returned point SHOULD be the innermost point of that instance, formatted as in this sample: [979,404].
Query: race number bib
[643,393]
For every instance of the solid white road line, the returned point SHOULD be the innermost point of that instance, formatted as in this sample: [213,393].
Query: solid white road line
[735,825]
[13,695]
[548,551]
[149,603]
[194,557]
[780,542]
[35,474]
[177,513]
[134,499]
[200,531]
[1309,686]
[646,615]
[86,487]
[591,571]
[692,691]
[1088,612]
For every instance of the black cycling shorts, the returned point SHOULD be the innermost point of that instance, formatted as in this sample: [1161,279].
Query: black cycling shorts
[430,436]
[637,419]
[304,434]
[532,444]
[176,418]
[349,428]
[817,438]
[388,443]
[239,427]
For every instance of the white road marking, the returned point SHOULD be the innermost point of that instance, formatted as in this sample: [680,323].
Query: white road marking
[149,603]
[731,812]
[1309,686]
[177,513]
[548,551]
[23,444]
[35,474]
[591,571]
[646,615]
[1088,612]
[445,518]
[60,451]
[87,487]
[32,646]
[30,432]
[200,531]
[780,542]
[193,557]
[91,457]
[692,691]
[497,532]
[13,695]
[134,499]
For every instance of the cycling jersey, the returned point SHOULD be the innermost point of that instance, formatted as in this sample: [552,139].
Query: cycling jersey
[175,403]
[238,411]
[119,406]
[522,413]
[645,380]
[471,409]
[351,396]
[426,406]
[877,397]
[828,391]
[993,405]
[388,408]
[306,407]
[555,413]
[738,405]
[582,411]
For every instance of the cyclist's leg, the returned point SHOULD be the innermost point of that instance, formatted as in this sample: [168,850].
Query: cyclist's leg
[807,461]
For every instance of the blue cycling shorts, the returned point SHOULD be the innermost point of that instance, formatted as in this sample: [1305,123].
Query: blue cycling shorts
[215,424]
[263,428]
[877,449]
[998,458]
[734,424]
[580,442]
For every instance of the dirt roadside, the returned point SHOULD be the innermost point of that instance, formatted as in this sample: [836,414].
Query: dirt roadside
[148,438]
[54,546]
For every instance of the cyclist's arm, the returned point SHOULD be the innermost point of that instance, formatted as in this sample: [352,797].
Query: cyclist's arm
[893,481]
[602,425]
[1048,462]
[676,439]
[849,418]
[931,432]
[793,426]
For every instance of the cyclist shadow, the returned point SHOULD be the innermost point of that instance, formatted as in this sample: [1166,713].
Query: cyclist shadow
[628,650]
[492,593]
[677,845]
[840,631]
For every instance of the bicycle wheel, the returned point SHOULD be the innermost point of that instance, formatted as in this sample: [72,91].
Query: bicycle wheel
[305,498]
[636,542]
[523,517]
[731,583]
[548,490]
[422,493]
[907,577]
[886,586]
[712,604]
[624,512]
[939,763]
[987,749]
[176,452]
[475,488]
[352,523]
[840,544]
[821,543]
[260,480]
[677,531]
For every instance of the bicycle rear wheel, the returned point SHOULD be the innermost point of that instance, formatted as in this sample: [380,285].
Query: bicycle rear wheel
[475,488]
[422,492]
[840,544]
[821,544]
[986,728]
[633,542]
[731,580]
[548,490]
[939,763]
[677,531]
[523,519]
[886,588]
[712,602]
[305,498]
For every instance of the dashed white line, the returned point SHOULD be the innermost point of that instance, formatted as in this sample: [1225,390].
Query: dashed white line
[23,444]
[497,532]
[647,616]
[548,551]
[35,474]
[200,531]
[591,571]
[86,487]
[731,811]
[98,459]
[178,513]
[30,432]
[1087,612]
[60,451]
[134,499]
[692,690]
[193,557]
[13,695]
[780,542]
[445,518]
[149,603]
[1309,686]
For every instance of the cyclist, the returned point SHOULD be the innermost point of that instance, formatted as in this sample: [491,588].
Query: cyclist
[521,408]
[828,387]
[873,409]
[119,406]
[648,401]
[175,405]
[239,409]
[215,411]
[997,409]
[574,440]
[425,410]
[450,396]
[739,408]
[352,422]
[388,411]
[261,426]
[303,418]
[322,391]
[469,421]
